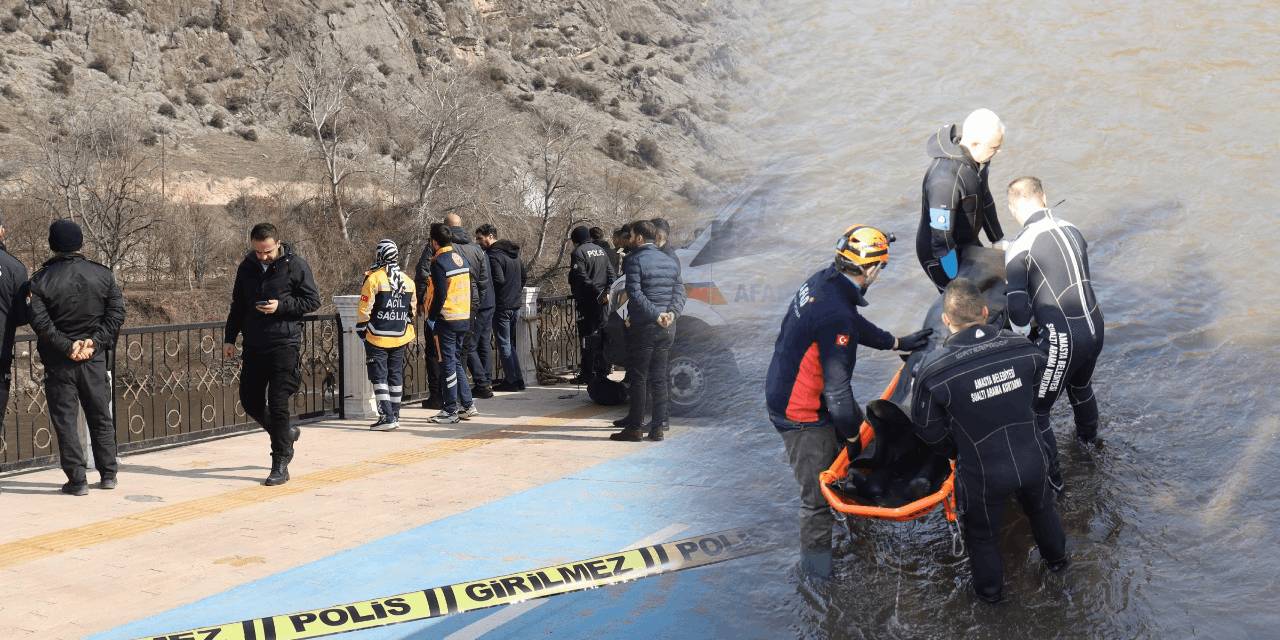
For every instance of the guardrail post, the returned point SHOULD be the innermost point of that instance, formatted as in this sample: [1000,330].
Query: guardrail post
[357,398]
[526,338]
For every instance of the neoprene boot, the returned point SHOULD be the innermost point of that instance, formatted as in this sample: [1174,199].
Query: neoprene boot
[279,471]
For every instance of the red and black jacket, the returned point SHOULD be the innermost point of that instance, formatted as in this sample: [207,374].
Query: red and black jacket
[809,378]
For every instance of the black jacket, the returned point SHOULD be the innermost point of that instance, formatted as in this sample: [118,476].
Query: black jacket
[14,312]
[288,280]
[615,259]
[653,285]
[509,274]
[73,298]
[481,282]
[955,202]
[590,273]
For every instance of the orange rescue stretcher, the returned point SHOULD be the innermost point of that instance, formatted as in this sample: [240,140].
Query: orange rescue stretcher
[945,495]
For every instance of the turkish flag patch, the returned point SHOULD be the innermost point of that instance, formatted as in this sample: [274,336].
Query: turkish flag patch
[364,298]
[842,340]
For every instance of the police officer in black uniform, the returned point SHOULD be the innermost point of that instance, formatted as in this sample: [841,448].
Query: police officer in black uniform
[14,312]
[274,289]
[956,202]
[972,401]
[590,275]
[1047,267]
[77,311]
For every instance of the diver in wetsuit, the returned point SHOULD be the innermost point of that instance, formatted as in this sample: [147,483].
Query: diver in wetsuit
[1047,267]
[973,398]
[956,200]
[807,388]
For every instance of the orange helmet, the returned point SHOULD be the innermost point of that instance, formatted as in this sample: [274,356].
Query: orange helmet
[861,247]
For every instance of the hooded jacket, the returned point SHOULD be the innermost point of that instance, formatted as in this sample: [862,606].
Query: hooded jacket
[509,274]
[955,203]
[288,280]
[481,282]
[73,298]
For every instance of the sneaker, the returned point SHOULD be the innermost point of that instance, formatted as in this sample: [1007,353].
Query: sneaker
[484,392]
[108,483]
[444,417]
[76,488]
[390,425]
[469,413]
[382,420]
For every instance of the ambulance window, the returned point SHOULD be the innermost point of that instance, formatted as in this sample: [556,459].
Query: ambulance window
[745,232]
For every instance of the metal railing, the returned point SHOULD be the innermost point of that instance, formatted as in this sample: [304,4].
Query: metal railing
[559,350]
[171,383]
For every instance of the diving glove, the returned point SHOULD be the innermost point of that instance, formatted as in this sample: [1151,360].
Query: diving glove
[914,341]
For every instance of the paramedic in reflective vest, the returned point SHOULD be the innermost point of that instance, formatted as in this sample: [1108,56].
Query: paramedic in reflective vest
[808,391]
[448,312]
[1047,267]
[956,201]
[384,320]
[973,402]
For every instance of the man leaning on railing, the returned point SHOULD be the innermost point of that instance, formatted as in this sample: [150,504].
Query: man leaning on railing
[274,289]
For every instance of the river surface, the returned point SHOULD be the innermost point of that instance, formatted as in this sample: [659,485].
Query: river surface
[1159,124]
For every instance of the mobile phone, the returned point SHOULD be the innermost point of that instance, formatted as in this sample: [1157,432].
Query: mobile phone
[262,303]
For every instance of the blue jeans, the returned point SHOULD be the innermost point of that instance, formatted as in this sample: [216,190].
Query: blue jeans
[480,348]
[452,369]
[505,323]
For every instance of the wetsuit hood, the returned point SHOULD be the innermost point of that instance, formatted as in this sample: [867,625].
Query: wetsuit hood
[506,246]
[973,335]
[945,143]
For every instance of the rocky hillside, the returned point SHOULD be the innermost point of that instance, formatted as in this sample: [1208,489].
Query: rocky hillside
[209,75]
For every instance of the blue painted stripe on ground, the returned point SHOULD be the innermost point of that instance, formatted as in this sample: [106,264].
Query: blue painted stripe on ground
[599,510]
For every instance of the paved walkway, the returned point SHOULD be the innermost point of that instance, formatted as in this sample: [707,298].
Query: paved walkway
[194,521]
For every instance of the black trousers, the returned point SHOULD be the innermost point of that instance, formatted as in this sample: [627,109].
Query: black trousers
[83,385]
[267,382]
[810,450]
[431,355]
[981,513]
[590,320]
[648,371]
[480,348]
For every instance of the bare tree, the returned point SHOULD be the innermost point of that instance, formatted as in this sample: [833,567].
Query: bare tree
[93,168]
[553,200]
[624,198]
[323,90]
[449,118]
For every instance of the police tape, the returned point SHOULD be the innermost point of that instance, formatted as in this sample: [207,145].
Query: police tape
[437,602]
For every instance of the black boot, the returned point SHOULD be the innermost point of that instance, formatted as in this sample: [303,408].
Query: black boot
[629,434]
[655,431]
[279,471]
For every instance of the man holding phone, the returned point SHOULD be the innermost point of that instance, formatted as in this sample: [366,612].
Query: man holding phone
[274,289]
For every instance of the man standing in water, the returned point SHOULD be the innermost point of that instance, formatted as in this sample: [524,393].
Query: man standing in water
[808,391]
[1047,267]
[972,402]
[956,199]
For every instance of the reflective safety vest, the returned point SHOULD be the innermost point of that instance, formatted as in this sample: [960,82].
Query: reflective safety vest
[449,289]
[386,319]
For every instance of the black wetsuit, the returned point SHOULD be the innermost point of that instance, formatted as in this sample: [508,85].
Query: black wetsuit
[956,203]
[973,397]
[1047,267]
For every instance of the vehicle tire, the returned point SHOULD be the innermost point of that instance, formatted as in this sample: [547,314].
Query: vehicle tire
[704,374]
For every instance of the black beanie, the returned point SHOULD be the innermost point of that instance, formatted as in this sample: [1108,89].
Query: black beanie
[580,235]
[65,236]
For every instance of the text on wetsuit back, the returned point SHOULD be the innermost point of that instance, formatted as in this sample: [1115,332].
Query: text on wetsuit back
[995,384]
